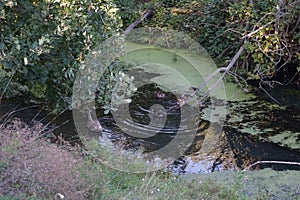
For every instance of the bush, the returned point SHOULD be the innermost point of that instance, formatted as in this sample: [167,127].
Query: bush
[43,43]
[33,167]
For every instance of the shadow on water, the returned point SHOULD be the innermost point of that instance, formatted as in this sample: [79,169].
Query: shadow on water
[31,114]
[287,96]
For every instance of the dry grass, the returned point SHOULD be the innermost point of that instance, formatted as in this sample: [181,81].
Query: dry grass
[36,167]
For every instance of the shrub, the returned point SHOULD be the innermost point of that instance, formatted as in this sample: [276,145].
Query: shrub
[31,167]
[42,44]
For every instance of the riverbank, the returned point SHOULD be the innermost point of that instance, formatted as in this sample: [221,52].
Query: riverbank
[33,168]
[261,184]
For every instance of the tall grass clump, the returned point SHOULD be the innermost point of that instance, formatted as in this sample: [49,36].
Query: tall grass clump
[33,167]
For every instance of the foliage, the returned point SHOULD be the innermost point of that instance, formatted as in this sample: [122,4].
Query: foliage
[271,29]
[98,76]
[43,43]
[272,34]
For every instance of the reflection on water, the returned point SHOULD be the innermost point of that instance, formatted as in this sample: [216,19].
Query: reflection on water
[236,148]
[255,130]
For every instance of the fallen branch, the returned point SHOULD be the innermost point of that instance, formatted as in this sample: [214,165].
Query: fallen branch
[271,162]
[225,70]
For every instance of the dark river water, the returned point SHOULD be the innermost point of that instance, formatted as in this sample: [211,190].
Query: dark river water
[254,130]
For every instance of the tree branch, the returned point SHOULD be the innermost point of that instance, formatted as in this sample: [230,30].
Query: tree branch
[136,22]
[225,70]
[271,162]
[260,28]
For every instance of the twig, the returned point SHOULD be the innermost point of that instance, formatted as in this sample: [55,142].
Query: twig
[237,77]
[225,70]
[263,89]
[52,120]
[37,114]
[295,75]
[296,26]
[6,86]
[271,162]
[15,111]
[136,22]
[253,32]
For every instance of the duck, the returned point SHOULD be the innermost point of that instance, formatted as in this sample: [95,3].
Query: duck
[93,125]
[160,95]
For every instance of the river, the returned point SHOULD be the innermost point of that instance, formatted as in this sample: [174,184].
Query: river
[233,129]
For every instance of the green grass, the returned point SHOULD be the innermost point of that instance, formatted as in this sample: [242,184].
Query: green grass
[33,168]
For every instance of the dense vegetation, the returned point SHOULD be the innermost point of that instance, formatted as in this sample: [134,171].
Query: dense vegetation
[43,42]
